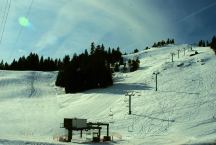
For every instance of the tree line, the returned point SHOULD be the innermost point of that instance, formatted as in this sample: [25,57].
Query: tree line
[211,44]
[163,43]
[88,70]
[203,43]
[32,62]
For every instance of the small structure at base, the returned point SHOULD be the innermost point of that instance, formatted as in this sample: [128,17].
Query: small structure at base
[75,124]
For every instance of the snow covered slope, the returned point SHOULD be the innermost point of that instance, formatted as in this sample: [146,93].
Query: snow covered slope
[28,104]
[182,111]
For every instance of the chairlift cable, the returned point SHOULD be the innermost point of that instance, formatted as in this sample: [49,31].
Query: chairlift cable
[2,14]
[7,9]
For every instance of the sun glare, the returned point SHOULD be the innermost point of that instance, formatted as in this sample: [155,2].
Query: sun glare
[24,22]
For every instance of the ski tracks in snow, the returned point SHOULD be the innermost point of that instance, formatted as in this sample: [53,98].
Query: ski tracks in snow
[32,77]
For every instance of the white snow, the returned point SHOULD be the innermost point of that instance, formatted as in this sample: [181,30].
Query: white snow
[182,111]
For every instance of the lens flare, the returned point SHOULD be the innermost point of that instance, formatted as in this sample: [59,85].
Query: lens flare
[24,22]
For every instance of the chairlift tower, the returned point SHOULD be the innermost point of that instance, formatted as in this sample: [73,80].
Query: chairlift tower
[178,52]
[130,94]
[156,73]
[172,54]
[184,50]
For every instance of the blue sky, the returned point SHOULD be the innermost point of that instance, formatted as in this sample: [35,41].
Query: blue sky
[59,27]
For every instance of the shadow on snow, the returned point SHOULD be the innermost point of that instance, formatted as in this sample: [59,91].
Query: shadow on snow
[122,88]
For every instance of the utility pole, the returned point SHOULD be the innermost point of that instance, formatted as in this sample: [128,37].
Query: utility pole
[156,73]
[130,94]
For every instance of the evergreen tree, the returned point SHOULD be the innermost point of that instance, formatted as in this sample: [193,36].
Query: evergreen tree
[41,63]
[159,44]
[21,63]
[134,65]
[136,50]
[14,65]
[208,44]
[203,45]
[2,65]
[172,41]
[154,45]
[125,68]
[86,52]
[6,66]
[60,81]
[116,69]
[200,43]
[213,44]
[147,48]
[163,43]
[92,48]
[168,41]
[102,48]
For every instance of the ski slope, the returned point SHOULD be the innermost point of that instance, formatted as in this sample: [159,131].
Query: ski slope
[182,111]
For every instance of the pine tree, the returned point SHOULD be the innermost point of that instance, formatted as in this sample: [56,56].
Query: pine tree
[92,48]
[172,41]
[213,44]
[203,44]
[102,47]
[2,65]
[116,69]
[6,66]
[136,50]
[154,45]
[41,63]
[159,44]
[86,52]
[207,43]
[163,43]
[200,43]
[168,41]
[66,60]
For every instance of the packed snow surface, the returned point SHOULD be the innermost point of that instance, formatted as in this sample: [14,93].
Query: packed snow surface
[182,111]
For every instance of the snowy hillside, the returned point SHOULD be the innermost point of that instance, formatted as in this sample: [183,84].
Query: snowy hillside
[182,111]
